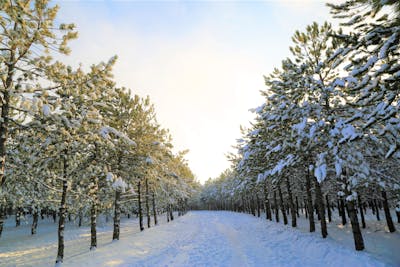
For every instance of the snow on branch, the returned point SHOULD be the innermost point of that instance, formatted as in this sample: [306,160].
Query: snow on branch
[106,130]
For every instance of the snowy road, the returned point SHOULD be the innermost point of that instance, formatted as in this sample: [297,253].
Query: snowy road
[223,239]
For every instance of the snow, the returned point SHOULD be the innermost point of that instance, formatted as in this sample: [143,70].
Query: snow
[338,167]
[349,133]
[149,160]
[320,172]
[363,68]
[283,163]
[19,248]
[300,126]
[384,50]
[351,80]
[46,110]
[392,149]
[203,238]
[259,109]
[120,184]
[109,177]
[313,130]
[106,130]
[339,82]
[277,148]
[255,132]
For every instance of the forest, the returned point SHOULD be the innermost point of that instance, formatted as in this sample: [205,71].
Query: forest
[74,146]
[327,136]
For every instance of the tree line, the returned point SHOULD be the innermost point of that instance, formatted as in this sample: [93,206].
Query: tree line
[73,144]
[327,136]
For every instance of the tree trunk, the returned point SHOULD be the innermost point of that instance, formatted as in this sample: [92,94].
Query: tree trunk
[389,220]
[306,210]
[63,212]
[317,210]
[267,204]
[343,211]
[252,206]
[291,204]
[4,124]
[269,212]
[358,239]
[5,109]
[371,204]
[117,215]
[93,233]
[147,203]
[171,213]
[140,208]
[360,205]
[2,217]
[276,207]
[310,208]
[258,206]
[18,217]
[321,208]
[297,207]
[168,214]
[80,218]
[285,220]
[35,221]
[328,207]
[42,213]
[154,209]
[376,209]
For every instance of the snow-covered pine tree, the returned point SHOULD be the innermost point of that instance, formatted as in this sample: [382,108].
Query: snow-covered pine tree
[370,56]
[26,26]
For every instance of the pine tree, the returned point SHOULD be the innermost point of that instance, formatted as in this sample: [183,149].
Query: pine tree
[26,26]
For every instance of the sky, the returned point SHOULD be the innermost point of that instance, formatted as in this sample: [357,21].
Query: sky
[201,62]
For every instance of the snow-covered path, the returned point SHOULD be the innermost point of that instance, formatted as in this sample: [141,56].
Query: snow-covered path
[200,238]
[223,239]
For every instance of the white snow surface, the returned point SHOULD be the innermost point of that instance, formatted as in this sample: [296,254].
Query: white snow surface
[205,238]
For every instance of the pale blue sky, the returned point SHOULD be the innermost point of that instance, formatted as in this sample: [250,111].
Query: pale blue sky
[201,62]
